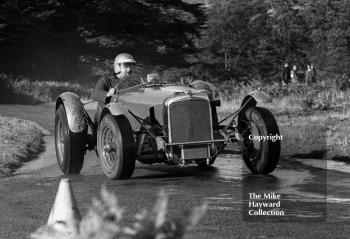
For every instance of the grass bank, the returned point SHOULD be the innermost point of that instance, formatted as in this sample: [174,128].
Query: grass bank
[309,133]
[25,91]
[325,95]
[313,118]
[20,141]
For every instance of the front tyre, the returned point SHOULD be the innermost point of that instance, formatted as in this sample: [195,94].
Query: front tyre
[116,147]
[261,157]
[69,146]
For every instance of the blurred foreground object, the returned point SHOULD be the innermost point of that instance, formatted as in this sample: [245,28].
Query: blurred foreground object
[103,221]
[64,217]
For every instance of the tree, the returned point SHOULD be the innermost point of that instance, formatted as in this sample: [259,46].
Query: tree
[52,37]
[238,41]
[289,27]
[330,24]
[251,39]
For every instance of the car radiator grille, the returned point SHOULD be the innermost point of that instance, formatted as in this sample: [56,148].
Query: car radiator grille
[189,120]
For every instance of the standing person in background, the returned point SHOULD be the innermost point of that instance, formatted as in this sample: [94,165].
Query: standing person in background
[308,75]
[285,74]
[313,73]
[293,74]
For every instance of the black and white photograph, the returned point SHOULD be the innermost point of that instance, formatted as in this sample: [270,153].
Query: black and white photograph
[170,119]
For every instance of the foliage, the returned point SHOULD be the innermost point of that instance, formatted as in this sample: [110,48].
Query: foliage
[55,39]
[288,98]
[251,40]
[238,38]
[330,32]
[104,219]
[216,41]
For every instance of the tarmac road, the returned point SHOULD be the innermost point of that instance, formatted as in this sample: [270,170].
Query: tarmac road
[26,199]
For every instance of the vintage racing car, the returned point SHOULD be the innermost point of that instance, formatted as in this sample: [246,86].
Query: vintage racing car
[163,123]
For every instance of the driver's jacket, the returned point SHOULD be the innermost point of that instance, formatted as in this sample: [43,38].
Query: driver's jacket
[104,85]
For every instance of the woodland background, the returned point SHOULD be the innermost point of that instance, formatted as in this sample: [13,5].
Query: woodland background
[218,41]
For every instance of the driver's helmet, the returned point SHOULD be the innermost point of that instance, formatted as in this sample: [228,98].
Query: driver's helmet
[122,58]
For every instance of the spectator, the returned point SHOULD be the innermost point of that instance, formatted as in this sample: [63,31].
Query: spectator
[293,74]
[285,74]
[308,75]
[313,73]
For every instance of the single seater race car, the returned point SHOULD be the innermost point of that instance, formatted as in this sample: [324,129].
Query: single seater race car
[163,123]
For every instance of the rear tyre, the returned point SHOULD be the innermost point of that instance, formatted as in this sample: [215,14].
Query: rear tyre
[116,147]
[69,146]
[261,157]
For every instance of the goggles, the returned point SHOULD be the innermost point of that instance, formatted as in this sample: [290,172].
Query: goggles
[126,65]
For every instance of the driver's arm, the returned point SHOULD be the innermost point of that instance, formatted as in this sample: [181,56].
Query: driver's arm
[101,91]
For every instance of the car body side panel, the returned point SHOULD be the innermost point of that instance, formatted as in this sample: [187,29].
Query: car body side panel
[74,111]
[117,108]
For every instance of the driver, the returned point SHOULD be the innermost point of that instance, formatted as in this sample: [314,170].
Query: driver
[124,65]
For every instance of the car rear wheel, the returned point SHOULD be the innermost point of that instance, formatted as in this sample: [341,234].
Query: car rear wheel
[69,146]
[116,147]
[261,157]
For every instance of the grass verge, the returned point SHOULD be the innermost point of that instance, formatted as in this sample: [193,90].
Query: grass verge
[20,141]
[306,132]
[19,90]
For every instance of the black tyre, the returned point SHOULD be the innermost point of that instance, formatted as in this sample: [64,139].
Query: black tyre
[261,157]
[116,147]
[69,146]
[203,162]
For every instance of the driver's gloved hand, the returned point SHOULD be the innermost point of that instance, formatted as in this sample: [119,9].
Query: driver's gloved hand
[111,92]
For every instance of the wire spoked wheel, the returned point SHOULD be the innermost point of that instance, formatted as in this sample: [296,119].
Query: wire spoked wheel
[110,149]
[252,147]
[59,138]
[69,146]
[116,147]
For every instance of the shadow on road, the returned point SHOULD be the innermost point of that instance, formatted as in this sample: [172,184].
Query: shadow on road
[255,183]
[175,172]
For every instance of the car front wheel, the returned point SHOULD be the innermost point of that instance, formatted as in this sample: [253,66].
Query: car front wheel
[116,147]
[260,156]
[69,146]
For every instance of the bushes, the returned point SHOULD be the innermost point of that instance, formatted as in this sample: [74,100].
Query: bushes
[321,96]
[25,91]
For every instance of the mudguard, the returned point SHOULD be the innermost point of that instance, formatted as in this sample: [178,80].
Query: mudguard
[251,100]
[256,97]
[74,111]
[116,109]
